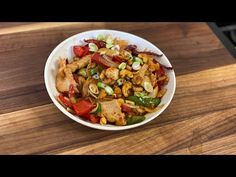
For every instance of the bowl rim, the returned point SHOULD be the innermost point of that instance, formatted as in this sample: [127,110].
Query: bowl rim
[98,126]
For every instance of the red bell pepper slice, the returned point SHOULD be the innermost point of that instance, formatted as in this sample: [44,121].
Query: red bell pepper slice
[82,107]
[86,50]
[117,59]
[97,58]
[66,102]
[125,108]
[133,49]
[80,51]
[91,118]
[150,53]
[160,72]
[160,84]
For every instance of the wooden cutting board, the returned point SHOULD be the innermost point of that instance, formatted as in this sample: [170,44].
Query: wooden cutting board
[201,119]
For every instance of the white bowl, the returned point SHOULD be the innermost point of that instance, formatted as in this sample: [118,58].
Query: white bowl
[64,49]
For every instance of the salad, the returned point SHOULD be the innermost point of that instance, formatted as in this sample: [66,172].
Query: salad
[110,81]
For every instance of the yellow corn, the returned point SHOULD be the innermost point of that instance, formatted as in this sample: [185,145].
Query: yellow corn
[120,101]
[103,121]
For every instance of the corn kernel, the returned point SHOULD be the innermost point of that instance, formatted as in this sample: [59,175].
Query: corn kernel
[120,101]
[103,121]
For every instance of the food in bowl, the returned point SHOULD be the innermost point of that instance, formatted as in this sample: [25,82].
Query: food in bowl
[109,81]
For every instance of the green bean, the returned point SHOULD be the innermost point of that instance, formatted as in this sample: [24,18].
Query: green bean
[147,102]
[135,119]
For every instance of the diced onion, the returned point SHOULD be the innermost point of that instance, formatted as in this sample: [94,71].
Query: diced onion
[101,85]
[148,86]
[82,72]
[115,47]
[92,94]
[136,65]
[93,47]
[101,37]
[96,76]
[138,60]
[109,90]
[109,40]
[120,81]
[122,66]
[93,88]
[109,46]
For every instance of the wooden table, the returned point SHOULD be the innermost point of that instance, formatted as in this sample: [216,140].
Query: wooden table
[201,119]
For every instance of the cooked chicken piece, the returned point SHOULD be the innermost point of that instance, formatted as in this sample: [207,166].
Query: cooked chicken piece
[80,81]
[64,78]
[108,52]
[153,78]
[76,58]
[79,63]
[112,111]
[138,78]
[62,66]
[112,73]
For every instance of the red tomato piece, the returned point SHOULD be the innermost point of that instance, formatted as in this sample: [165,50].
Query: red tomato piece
[82,107]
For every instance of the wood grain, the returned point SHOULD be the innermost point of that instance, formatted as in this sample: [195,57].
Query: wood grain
[165,138]
[200,120]
[216,146]
[193,47]
[188,121]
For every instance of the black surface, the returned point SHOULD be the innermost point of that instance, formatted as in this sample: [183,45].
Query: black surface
[122,10]
[226,33]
